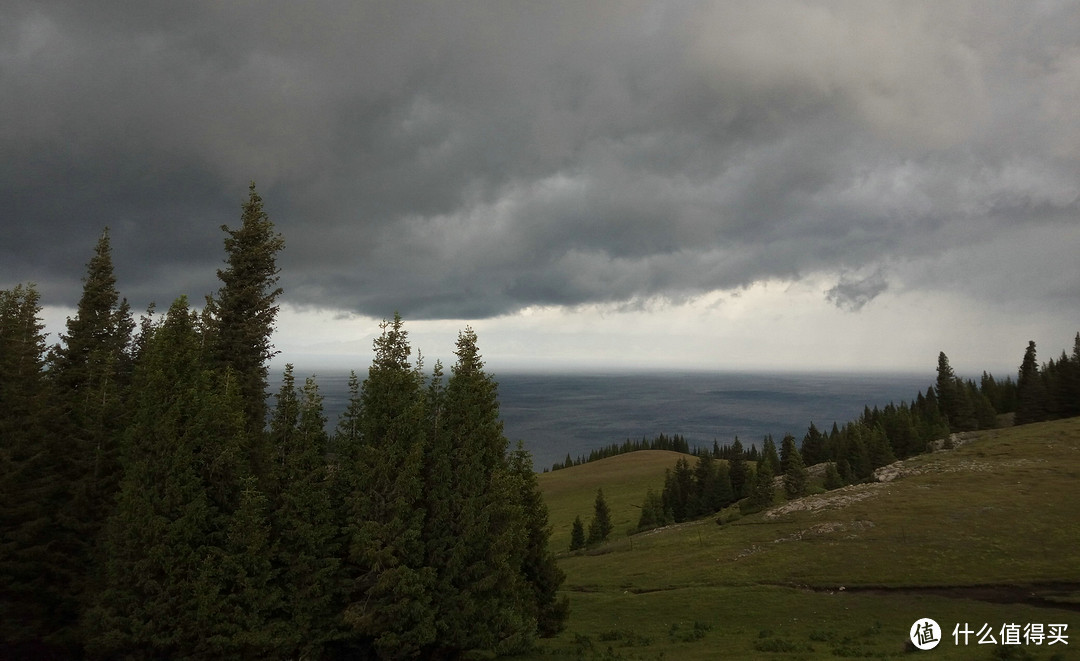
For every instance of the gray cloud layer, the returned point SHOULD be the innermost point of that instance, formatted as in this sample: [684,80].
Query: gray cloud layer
[468,159]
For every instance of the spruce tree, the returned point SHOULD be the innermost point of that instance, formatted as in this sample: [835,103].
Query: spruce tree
[903,433]
[984,412]
[740,472]
[813,447]
[244,310]
[795,477]
[600,526]
[833,480]
[931,422]
[388,604]
[705,486]
[436,398]
[239,599]
[652,512]
[947,394]
[343,464]
[307,553]
[770,456]
[283,420]
[965,416]
[577,534]
[35,599]
[878,448]
[1031,392]
[855,453]
[538,565]
[678,491]
[347,433]
[724,493]
[762,494]
[89,373]
[179,489]
[843,470]
[474,525]
[1072,385]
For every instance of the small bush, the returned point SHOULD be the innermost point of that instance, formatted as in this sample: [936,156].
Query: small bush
[582,643]
[729,515]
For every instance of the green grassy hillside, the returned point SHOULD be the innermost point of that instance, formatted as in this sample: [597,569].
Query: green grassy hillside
[983,534]
[625,478]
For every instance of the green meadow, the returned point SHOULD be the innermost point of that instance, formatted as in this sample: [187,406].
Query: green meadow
[984,537]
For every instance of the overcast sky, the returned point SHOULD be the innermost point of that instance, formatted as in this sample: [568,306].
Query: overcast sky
[722,185]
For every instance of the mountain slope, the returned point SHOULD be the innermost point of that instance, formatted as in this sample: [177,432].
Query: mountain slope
[847,572]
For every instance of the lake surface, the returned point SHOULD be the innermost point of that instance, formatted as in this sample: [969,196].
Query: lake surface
[557,414]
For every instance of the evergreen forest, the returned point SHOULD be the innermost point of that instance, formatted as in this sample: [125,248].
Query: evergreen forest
[157,502]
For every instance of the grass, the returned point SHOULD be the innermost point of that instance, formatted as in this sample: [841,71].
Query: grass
[998,511]
[625,478]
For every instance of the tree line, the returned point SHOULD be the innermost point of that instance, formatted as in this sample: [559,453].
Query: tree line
[155,504]
[673,443]
[852,452]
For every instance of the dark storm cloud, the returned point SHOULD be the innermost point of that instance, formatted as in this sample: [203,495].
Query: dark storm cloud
[468,159]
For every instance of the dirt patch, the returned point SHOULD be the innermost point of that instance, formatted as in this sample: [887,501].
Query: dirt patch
[828,527]
[824,529]
[833,500]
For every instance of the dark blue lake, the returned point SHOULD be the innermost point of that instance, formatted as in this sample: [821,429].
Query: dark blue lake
[557,414]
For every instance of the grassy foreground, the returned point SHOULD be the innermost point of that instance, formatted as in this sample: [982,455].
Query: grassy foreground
[986,534]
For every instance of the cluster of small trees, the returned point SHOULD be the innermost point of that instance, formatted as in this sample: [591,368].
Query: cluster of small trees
[149,510]
[713,483]
[1049,392]
[599,528]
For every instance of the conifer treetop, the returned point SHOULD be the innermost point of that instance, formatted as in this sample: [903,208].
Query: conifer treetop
[469,358]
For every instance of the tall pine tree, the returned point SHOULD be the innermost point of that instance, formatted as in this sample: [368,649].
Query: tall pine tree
[741,473]
[577,534]
[813,447]
[1031,392]
[1072,384]
[35,598]
[947,394]
[770,456]
[473,530]
[538,565]
[89,371]
[762,494]
[388,607]
[794,471]
[600,526]
[305,523]
[244,310]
